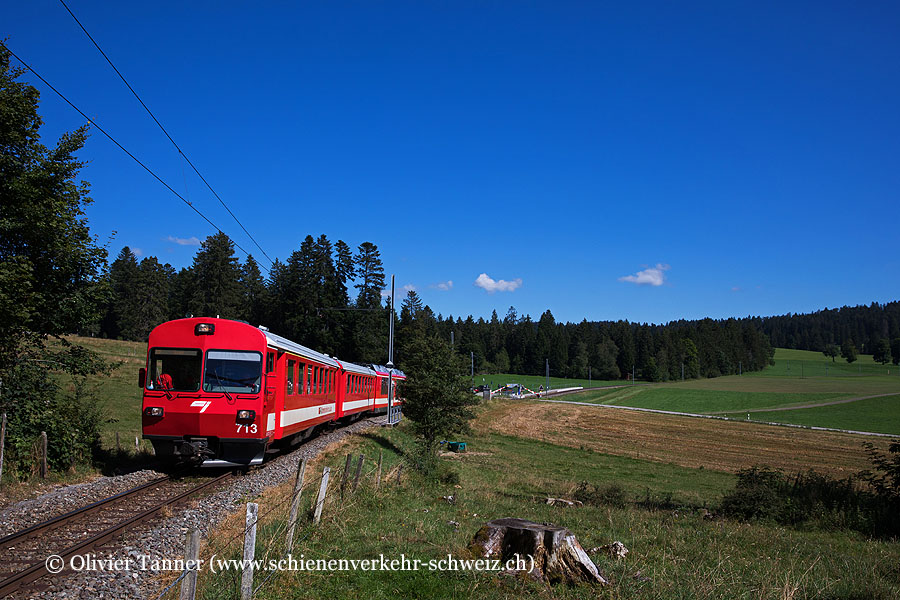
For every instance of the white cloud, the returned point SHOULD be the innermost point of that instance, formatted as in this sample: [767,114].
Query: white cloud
[736,289]
[444,286]
[137,251]
[654,276]
[491,286]
[191,241]
[408,288]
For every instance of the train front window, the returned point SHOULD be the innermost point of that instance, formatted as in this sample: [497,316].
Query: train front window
[174,369]
[231,371]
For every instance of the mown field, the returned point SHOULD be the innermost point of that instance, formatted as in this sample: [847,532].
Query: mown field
[522,452]
[867,402]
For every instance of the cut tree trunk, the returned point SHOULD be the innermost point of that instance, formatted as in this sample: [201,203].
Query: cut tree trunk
[553,551]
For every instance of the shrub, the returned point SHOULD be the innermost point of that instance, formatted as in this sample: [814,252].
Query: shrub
[609,495]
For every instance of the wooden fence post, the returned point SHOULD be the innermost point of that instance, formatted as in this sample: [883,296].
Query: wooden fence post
[295,503]
[378,472]
[2,445]
[359,466]
[249,551]
[191,557]
[320,501]
[345,474]
[43,455]
[137,444]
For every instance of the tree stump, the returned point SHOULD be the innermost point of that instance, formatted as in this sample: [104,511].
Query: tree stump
[557,555]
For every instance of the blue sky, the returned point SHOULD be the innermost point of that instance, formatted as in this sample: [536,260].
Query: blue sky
[742,155]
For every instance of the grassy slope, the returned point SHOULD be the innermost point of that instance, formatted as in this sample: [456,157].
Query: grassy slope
[777,387]
[879,415]
[119,393]
[674,553]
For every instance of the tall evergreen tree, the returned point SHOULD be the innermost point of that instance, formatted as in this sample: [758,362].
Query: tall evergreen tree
[254,294]
[123,275]
[216,280]
[370,274]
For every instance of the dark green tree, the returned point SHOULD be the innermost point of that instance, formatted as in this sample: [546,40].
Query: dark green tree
[436,397]
[882,351]
[690,358]
[123,274]
[52,282]
[895,351]
[51,269]
[848,351]
[370,275]
[150,299]
[831,350]
[216,280]
[254,294]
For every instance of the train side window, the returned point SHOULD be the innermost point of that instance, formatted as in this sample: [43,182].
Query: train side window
[289,381]
[317,381]
[270,362]
[300,369]
[309,370]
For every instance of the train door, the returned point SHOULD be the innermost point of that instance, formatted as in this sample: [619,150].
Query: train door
[270,408]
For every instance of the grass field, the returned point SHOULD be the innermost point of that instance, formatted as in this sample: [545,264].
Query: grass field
[674,552]
[119,393]
[777,387]
[532,382]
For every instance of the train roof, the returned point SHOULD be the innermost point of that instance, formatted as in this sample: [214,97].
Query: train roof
[276,341]
[281,343]
[355,368]
[382,370]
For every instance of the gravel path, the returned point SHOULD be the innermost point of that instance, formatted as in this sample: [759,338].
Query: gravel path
[165,539]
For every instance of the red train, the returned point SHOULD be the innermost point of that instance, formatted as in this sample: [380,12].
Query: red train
[224,392]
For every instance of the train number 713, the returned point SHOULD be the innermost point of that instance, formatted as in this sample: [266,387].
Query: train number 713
[246,428]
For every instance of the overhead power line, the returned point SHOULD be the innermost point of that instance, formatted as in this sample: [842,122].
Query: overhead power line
[155,120]
[121,147]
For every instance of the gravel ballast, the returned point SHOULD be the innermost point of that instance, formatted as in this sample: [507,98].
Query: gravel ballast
[166,538]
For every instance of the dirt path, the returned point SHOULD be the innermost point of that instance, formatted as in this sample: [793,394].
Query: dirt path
[813,405]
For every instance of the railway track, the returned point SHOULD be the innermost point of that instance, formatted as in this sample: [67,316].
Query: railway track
[85,529]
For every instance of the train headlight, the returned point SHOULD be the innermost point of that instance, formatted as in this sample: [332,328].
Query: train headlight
[154,411]
[246,415]
[204,329]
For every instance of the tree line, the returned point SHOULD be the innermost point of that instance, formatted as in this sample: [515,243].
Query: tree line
[308,299]
[324,295]
[845,331]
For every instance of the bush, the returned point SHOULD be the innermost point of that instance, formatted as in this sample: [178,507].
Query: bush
[811,498]
[609,495]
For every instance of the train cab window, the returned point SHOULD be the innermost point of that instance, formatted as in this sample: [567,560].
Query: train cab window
[289,384]
[232,371]
[174,369]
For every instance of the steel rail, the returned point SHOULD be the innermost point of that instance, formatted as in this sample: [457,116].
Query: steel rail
[39,569]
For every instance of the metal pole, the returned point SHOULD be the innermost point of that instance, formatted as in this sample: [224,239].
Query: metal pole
[547,363]
[390,363]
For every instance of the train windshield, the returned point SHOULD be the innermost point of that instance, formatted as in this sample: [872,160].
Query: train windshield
[231,371]
[174,369]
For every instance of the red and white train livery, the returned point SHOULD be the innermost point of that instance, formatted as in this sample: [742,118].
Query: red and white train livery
[225,392]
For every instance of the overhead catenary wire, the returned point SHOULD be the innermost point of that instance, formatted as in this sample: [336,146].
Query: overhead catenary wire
[122,148]
[160,125]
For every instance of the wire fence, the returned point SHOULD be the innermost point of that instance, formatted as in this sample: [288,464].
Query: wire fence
[271,534]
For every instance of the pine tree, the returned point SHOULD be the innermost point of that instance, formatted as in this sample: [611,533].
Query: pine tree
[848,351]
[253,292]
[370,273]
[123,274]
[216,280]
